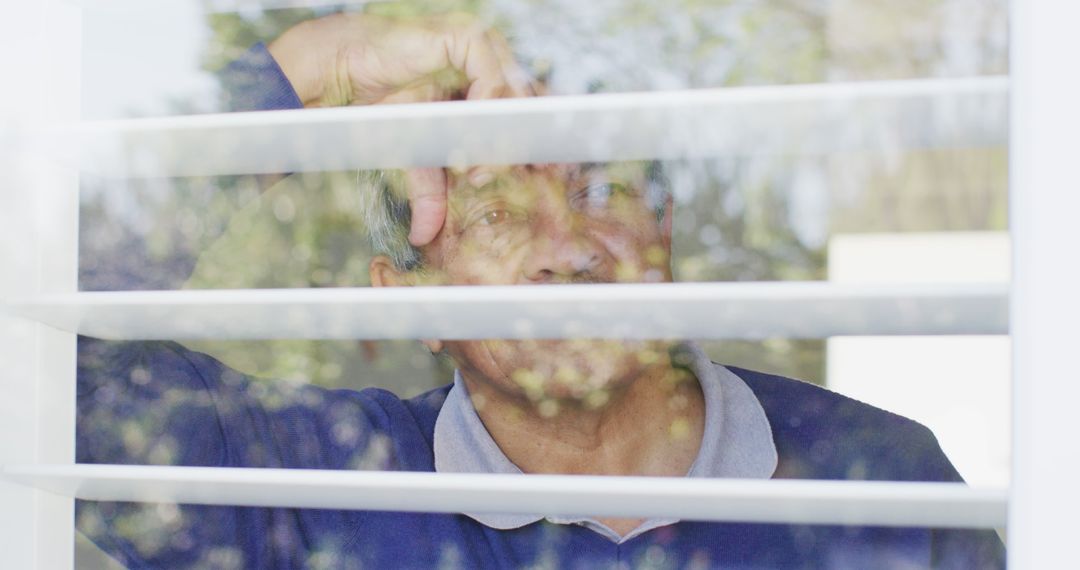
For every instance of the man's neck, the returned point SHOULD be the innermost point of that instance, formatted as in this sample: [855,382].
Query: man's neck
[652,427]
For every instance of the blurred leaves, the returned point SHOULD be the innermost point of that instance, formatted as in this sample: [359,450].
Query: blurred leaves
[737,218]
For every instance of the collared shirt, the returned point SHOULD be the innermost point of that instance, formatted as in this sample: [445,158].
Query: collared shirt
[737,443]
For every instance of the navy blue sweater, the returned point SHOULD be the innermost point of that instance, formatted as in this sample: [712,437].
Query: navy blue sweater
[159,403]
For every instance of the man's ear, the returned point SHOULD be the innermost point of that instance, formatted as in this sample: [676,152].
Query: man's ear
[384,274]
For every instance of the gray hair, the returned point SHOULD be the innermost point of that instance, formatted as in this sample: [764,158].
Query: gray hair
[385,210]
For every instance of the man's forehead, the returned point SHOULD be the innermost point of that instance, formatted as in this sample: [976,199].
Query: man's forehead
[509,178]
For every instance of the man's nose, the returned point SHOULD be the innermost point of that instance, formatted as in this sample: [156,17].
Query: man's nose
[563,251]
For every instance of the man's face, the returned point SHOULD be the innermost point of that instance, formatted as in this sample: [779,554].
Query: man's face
[552,224]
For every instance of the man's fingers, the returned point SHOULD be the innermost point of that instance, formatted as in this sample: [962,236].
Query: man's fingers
[519,82]
[419,93]
[427,200]
[409,65]
[487,61]
[362,58]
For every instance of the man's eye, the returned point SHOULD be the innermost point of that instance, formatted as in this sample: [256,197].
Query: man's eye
[598,195]
[496,217]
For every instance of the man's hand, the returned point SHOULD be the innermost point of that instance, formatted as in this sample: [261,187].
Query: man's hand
[359,59]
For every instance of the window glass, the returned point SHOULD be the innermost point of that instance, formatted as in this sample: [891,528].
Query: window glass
[905,203]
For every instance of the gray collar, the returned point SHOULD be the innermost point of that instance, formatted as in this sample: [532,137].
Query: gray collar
[737,442]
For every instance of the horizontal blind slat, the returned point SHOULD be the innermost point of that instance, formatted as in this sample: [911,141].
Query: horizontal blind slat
[701,123]
[748,310]
[788,501]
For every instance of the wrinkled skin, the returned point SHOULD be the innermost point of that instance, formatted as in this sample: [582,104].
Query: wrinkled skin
[541,225]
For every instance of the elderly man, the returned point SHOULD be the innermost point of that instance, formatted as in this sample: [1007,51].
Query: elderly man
[578,406]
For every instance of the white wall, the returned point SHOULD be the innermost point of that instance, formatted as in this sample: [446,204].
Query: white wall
[957,386]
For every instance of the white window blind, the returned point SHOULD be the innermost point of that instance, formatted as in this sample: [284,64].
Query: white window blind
[789,501]
[41,310]
[814,119]
[683,310]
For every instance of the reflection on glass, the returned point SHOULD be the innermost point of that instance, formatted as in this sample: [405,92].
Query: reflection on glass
[580,406]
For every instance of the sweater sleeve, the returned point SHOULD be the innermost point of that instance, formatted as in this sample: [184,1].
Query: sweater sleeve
[824,435]
[255,82]
[161,404]
[960,548]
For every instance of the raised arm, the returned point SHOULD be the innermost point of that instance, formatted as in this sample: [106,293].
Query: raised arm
[361,59]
